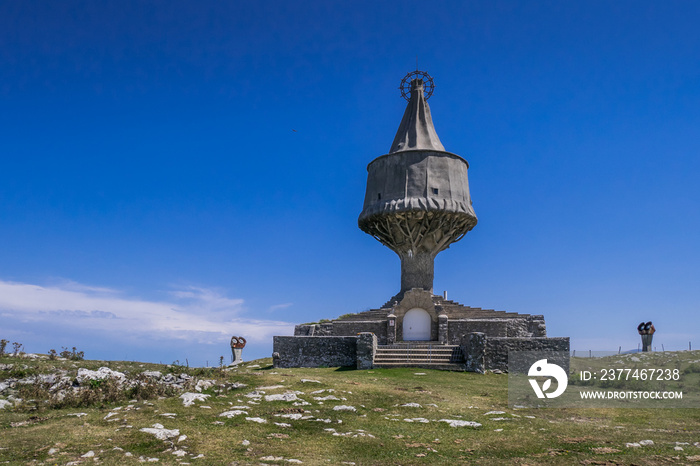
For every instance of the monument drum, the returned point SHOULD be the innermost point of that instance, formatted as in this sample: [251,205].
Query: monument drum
[417,200]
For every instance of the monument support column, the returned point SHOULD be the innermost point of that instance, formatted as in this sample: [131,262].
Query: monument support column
[417,271]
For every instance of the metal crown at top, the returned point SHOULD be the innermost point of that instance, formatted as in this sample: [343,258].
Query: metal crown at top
[428,84]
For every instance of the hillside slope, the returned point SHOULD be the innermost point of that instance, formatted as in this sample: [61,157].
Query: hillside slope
[73,412]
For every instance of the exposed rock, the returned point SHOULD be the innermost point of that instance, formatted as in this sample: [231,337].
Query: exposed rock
[293,416]
[233,413]
[281,397]
[161,432]
[459,423]
[259,420]
[204,384]
[344,408]
[189,398]
[102,373]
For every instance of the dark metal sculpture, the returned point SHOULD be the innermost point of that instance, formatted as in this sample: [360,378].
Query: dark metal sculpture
[237,345]
[428,84]
[646,330]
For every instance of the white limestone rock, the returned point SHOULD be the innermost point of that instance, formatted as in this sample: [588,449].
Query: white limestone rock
[460,423]
[161,432]
[189,398]
[259,420]
[232,413]
[344,408]
[281,397]
[85,375]
[327,398]
[204,384]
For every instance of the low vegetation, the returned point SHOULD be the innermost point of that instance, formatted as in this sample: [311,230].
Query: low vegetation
[66,411]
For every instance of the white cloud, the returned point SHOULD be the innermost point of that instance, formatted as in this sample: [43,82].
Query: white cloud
[192,313]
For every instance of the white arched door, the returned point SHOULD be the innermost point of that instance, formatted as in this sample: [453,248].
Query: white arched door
[416,325]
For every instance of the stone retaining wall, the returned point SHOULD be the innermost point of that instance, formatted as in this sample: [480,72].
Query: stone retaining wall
[484,353]
[300,351]
[324,351]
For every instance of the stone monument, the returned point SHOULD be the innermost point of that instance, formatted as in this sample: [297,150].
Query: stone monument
[417,200]
[417,203]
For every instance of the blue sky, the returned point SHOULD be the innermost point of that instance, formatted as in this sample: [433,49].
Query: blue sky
[174,173]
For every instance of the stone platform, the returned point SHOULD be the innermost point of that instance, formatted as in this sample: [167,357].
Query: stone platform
[454,337]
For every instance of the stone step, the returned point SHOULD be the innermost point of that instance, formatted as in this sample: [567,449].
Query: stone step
[417,351]
[417,361]
[417,345]
[436,366]
[417,354]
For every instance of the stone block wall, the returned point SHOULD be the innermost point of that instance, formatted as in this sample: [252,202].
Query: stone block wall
[474,349]
[366,349]
[484,353]
[490,327]
[523,327]
[497,348]
[353,328]
[311,330]
[301,351]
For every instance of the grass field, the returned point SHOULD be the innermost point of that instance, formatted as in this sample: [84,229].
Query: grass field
[101,423]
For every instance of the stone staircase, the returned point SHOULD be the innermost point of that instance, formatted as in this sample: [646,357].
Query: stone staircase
[453,309]
[371,315]
[429,355]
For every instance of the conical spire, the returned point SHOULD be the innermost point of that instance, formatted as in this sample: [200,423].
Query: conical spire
[416,131]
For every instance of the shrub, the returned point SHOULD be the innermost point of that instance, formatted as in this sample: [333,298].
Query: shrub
[17,349]
[3,345]
[53,355]
[74,355]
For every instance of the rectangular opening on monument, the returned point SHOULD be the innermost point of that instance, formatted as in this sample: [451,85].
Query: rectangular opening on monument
[379,196]
[435,190]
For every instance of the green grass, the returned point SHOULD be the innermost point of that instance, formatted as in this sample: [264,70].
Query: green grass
[530,436]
